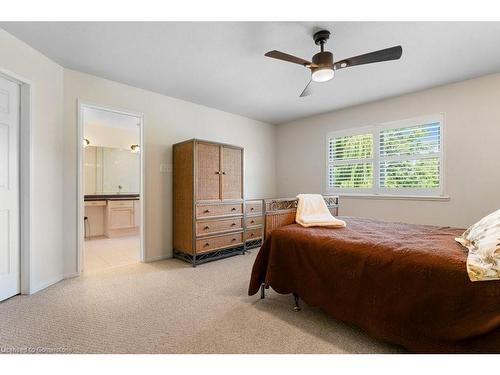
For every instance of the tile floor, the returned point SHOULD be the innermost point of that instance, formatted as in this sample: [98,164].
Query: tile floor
[102,253]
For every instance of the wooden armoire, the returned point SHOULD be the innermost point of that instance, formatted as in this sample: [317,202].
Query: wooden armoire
[209,207]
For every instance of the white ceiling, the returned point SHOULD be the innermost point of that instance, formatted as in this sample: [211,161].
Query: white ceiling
[222,65]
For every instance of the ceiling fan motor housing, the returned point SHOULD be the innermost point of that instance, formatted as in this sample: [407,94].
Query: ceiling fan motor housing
[323,59]
[322,70]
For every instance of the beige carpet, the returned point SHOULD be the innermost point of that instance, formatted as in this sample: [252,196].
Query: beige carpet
[170,307]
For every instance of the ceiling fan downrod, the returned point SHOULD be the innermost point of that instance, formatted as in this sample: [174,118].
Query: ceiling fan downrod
[321,37]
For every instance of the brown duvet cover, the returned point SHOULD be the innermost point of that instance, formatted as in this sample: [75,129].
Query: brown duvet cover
[406,284]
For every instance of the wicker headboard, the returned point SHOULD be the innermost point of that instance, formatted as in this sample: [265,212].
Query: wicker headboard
[280,212]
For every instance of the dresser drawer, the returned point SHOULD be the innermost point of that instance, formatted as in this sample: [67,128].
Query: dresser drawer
[213,243]
[253,234]
[121,204]
[210,210]
[254,220]
[214,226]
[253,207]
[95,203]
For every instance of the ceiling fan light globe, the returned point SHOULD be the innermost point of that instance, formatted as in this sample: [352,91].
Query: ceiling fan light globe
[322,75]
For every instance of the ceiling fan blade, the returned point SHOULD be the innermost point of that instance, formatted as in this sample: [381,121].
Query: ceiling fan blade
[307,91]
[387,54]
[286,57]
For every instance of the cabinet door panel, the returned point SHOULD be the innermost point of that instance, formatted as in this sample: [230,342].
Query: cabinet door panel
[207,174]
[122,218]
[232,173]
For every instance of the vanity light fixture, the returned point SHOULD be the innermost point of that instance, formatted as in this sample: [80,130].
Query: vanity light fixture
[86,142]
[135,149]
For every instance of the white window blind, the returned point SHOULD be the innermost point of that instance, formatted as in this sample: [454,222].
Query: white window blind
[400,158]
[409,157]
[351,161]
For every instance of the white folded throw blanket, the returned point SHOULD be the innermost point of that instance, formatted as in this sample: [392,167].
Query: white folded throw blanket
[313,212]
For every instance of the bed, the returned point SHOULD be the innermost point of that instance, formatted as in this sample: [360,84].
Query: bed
[401,283]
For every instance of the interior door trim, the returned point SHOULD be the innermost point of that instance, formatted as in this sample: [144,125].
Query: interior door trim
[80,204]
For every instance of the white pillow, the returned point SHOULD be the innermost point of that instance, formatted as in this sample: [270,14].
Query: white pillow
[483,241]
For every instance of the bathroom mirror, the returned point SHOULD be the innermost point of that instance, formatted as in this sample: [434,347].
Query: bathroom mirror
[111,171]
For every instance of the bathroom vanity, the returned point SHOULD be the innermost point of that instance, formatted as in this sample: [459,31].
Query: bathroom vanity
[112,215]
[112,180]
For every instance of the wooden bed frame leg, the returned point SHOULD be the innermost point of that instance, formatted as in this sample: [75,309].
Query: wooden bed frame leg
[296,308]
[262,292]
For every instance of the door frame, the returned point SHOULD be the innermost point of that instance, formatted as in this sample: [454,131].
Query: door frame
[25,173]
[80,204]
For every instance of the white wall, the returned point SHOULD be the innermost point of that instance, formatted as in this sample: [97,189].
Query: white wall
[47,134]
[472,156]
[166,121]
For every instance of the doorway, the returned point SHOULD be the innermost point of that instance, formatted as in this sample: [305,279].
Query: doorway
[111,194]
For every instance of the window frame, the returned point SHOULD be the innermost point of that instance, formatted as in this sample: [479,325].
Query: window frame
[375,130]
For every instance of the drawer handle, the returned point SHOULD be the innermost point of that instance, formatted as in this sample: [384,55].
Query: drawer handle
[233,224]
[206,211]
[251,208]
[251,234]
[233,209]
[253,221]
[234,239]
[206,244]
[217,172]
[206,227]
[223,172]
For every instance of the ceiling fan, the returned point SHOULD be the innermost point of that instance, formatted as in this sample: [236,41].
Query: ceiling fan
[322,66]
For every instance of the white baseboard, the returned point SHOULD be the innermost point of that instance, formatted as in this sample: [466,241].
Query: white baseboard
[155,259]
[71,275]
[36,288]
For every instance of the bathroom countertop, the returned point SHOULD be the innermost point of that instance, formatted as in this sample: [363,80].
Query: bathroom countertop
[111,197]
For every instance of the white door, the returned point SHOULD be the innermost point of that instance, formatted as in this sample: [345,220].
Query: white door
[10,275]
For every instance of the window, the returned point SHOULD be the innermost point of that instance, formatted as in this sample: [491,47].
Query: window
[400,158]
[351,161]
